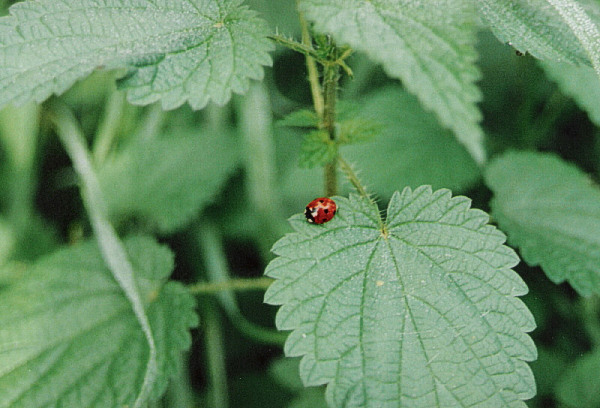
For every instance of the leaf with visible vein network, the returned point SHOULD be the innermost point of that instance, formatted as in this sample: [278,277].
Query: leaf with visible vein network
[69,337]
[419,310]
[175,50]
[428,45]
[550,210]
[533,26]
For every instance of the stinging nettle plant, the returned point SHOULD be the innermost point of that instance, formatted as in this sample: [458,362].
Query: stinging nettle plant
[408,297]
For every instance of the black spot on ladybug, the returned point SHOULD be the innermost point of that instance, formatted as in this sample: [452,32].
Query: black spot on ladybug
[321,201]
[326,211]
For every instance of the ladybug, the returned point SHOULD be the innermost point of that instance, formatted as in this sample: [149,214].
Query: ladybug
[320,210]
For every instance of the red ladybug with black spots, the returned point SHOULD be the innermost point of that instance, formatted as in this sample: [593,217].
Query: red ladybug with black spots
[320,210]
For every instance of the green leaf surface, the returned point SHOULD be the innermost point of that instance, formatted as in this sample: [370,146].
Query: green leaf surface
[317,149]
[166,181]
[535,27]
[69,337]
[421,313]
[578,388]
[551,211]
[581,24]
[416,150]
[175,50]
[301,118]
[428,45]
[581,83]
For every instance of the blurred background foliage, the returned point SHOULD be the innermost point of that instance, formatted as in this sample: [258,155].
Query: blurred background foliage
[242,166]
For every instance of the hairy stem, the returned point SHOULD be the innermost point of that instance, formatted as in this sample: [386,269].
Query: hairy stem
[330,84]
[311,67]
[351,175]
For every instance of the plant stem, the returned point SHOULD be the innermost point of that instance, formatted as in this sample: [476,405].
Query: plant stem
[351,175]
[234,284]
[216,268]
[112,249]
[256,132]
[311,66]
[19,133]
[213,338]
[152,122]
[109,125]
[330,84]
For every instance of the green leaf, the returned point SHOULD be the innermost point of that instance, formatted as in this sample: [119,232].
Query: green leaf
[317,149]
[580,23]
[551,211]
[416,150]
[533,26]
[581,83]
[166,181]
[301,118]
[419,311]
[357,130]
[578,388]
[428,45]
[69,337]
[176,51]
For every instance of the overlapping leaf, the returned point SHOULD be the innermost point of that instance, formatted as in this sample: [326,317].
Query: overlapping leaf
[416,311]
[533,26]
[551,211]
[429,45]
[175,50]
[69,337]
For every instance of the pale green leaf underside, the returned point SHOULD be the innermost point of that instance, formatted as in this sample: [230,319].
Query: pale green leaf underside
[175,50]
[425,315]
[68,335]
[428,45]
[581,83]
[533,26]
[551,211]
[166,181]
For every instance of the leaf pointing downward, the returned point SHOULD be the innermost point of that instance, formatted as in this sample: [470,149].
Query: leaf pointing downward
[428,45]
[421,313]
